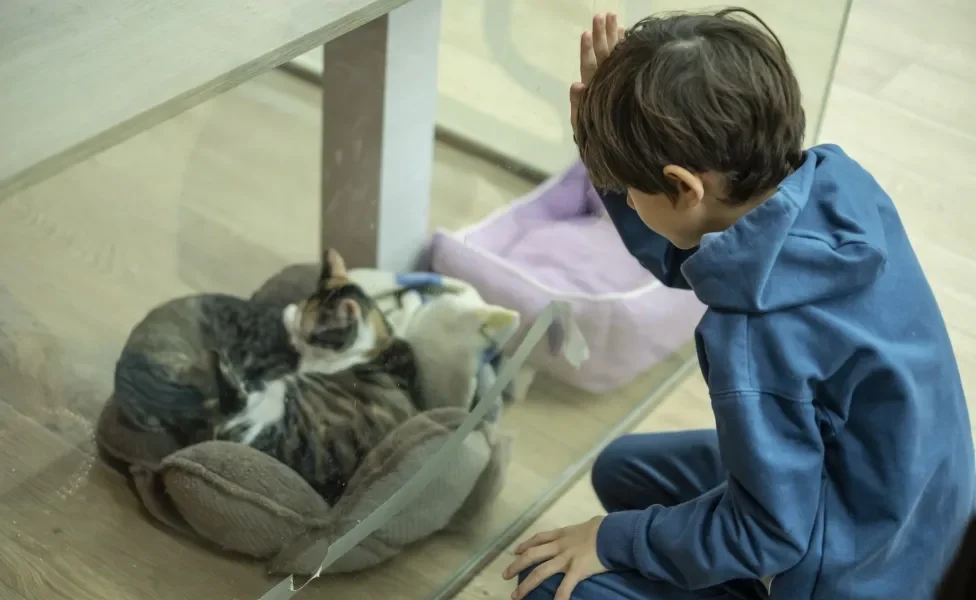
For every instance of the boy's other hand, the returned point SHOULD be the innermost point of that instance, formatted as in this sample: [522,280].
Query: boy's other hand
[570,550]
[595,46]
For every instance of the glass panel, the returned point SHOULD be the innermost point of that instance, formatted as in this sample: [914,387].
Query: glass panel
[207,202]
[504,70]
[504,75]
[218,199]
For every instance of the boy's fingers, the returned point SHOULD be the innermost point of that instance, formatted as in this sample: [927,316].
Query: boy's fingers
[600,37]
[534,556]
[613,31]
[540,538]
[587,57]
[566,587]
[575,94]
[537,576]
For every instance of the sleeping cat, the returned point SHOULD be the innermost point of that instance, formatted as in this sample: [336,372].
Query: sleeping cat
[316,385]
[165,378]
[355,382]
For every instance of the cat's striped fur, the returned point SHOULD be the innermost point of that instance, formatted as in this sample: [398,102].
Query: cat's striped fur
[317,384]
[165,375]
[355,383]
[328,422]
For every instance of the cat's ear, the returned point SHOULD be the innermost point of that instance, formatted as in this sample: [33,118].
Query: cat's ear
[229,389]
[497,320]
[332,265]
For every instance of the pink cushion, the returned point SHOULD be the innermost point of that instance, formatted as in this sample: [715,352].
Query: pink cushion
[554,245]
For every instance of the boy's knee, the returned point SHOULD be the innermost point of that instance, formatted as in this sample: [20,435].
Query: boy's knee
[617,452]
[610,464]
[608,461]
[638,470]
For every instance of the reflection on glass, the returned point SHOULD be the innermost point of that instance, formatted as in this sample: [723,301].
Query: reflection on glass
[85,256]
[505,71]
[504,79]
[220,199]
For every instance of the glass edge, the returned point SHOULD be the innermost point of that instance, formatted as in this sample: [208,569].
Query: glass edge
[482,557]
[835,60]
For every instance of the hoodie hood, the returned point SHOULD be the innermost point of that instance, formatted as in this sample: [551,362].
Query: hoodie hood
[819,237]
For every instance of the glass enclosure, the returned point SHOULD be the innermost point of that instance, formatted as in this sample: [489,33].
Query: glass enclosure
[505,64]
[220,198]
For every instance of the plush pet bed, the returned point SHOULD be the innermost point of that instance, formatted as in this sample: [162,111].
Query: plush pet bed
[238,499]
[554,244]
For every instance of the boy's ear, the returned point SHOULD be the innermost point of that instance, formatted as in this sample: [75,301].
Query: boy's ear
[690,187]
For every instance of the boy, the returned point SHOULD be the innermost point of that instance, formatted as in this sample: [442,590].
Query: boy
[842,465]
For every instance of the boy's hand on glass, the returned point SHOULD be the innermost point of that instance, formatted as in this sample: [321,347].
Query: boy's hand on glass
[595,46]
[570,550]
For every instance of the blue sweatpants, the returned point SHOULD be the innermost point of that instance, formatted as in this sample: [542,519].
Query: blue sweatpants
[640,470]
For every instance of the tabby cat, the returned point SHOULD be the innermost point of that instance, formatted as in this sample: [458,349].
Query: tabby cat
[315,384]
[165,375]
[355,382]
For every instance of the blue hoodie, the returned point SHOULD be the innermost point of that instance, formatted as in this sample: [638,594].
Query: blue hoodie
[838,404]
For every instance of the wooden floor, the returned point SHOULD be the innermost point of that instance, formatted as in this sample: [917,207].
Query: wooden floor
[220,197]
[903,105]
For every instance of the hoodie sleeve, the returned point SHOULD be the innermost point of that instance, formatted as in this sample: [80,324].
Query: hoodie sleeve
[654,252]
[756,524]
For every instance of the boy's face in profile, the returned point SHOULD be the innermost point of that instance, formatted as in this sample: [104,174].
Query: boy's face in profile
[681,218]
[661,216]
[694,208]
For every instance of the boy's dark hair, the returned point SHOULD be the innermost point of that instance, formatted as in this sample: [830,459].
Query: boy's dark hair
[708,92]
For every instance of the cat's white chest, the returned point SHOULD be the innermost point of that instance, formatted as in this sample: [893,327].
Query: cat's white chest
[264,409]
[330,365]
[330,362]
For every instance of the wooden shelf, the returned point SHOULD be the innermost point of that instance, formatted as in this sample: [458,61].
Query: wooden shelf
[78,77]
